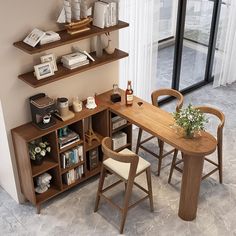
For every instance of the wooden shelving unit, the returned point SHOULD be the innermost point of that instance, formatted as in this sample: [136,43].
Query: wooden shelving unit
[29,172]
[67,38]
[63,72]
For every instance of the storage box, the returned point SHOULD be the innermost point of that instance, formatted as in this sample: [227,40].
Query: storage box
[119,139]
[117,122]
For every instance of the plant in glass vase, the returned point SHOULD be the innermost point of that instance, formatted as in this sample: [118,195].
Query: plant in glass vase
[38,150]
[191,120]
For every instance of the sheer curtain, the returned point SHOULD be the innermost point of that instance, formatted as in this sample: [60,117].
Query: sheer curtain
[226,63]
[138,41]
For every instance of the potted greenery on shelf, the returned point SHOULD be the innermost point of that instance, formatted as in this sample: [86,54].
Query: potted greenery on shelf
[191,120]
[38,150]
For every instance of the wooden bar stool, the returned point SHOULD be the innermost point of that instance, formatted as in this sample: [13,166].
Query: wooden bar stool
[126,165]
[218,166]
[155,96]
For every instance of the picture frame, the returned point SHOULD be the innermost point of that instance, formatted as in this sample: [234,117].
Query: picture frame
[50,58]
[43,70]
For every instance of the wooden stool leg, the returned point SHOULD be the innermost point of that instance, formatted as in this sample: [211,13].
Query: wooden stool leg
[161,147]
[100,186]
[220,165]
[139,139]
[149,184]
[172,165]
[126,205]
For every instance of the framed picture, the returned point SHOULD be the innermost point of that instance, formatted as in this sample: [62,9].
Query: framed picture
[49,58]
[43,70]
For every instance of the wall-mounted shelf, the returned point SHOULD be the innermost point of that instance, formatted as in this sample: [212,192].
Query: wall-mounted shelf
[67,38]
[63,72]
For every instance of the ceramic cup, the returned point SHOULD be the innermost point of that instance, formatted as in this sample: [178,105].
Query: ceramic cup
[46,119]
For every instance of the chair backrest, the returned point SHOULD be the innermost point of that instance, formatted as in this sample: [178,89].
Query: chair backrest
[168,92]
[131,159]
[219,115]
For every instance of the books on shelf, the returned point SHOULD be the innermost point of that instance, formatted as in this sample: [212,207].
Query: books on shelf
[72,157]
[105,13]
[68,139]
[72,175]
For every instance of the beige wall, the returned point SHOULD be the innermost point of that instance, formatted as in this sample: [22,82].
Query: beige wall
[18,18]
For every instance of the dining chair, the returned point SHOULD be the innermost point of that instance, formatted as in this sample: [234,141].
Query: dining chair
[219,137]
[126,165]
[155,97]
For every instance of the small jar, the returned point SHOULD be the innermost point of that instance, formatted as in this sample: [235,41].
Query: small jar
[77,104]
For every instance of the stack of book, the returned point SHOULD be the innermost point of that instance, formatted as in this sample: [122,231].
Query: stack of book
[74,60]
[68,139]
[72,157]
[71,176]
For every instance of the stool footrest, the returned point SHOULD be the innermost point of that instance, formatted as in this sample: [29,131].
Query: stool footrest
[111,186]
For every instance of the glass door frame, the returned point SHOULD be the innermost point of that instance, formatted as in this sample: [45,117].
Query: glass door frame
[179,39]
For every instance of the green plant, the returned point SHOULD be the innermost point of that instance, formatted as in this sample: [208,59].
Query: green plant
[190,119]
[37,147]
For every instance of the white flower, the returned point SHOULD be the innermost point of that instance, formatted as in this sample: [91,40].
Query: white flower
[37,149]
[48,149]
[42,145]
[43,153]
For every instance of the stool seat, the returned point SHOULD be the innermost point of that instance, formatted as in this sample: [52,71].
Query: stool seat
[122,169]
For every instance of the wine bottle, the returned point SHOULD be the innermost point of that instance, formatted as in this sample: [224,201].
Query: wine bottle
[129,97]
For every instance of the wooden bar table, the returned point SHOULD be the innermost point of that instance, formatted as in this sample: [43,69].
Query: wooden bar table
[160,124]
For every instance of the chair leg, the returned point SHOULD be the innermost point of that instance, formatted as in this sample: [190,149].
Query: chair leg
[149,184]
[161,148]
[100,186]
[126,205]
[220,164]
[172,165]
[139,139]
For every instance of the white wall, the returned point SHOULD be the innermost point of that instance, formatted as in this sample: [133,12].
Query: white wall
[17,19]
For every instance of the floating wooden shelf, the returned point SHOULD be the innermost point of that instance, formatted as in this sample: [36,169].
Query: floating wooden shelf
[63,72]
[45,166]
[67,38]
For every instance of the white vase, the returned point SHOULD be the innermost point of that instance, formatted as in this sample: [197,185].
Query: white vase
[109,49]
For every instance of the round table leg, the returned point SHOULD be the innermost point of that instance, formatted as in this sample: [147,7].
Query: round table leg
[191,181]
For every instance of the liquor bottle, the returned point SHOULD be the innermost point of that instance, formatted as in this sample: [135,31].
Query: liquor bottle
[129,97]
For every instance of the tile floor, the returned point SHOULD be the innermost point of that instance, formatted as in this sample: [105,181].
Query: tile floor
[72,212]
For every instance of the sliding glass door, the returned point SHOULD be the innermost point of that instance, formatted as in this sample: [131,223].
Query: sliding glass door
[197,30]
[187,42]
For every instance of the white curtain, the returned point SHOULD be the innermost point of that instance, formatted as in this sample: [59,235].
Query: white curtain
[137,40]
[226,62]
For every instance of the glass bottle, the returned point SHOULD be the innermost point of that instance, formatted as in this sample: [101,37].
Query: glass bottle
[129,97]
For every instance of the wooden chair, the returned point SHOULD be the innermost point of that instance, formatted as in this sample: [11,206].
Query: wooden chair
[218,166]
[126,165]
[155,96]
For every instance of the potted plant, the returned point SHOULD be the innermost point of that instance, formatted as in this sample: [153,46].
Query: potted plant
[38,150]
[191,120]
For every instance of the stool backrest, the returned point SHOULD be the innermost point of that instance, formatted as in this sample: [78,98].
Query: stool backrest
[167,92]
[219,115]
[131,159]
